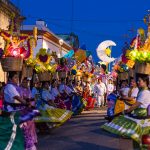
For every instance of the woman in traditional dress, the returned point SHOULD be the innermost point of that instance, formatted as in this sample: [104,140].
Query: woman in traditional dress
[50,114]
[78,104]
[88,97]
[65,92]
[127,98]
[28,126]
[132,125]
[57,96]
[36,93]
[11,136]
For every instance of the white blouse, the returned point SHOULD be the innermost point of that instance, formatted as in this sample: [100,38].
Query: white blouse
[144,98]
[9,93]
[134,92]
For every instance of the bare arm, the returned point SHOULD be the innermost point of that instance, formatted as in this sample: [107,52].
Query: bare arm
[20,99]
[127,98]
[134,106]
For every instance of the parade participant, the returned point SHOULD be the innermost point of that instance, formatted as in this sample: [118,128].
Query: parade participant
[100,90]
[65,92]
[92,85]
[110,86]
[88,97]
[77,102]
[51,115]
[11,136]
[70,93]
[29,126]
[132,125]
[56,94]
[130,99]
[124,90]
[127,97]
[36,93]
[79,87]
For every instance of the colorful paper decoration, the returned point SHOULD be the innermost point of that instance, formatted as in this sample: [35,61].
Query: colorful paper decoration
[69,54]
[80,55]
[101,51]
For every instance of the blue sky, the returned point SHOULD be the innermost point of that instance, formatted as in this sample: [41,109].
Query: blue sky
[93,20]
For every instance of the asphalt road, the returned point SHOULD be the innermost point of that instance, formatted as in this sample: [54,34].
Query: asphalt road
[83,133]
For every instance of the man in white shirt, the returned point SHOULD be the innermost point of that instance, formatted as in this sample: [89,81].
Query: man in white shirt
[100,90]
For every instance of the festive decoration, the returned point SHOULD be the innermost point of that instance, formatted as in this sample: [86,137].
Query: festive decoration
[70,63]
[114,74]
[101,51]
[16,44]
[69,54]
[130,63]
[108,51]
[80,55]
[42,56]
[140,56]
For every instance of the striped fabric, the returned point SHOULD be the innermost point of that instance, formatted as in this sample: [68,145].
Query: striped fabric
[54,115]
[11,136]
[128,127]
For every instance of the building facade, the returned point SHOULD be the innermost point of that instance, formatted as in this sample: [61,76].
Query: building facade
[6,10]
[47,39]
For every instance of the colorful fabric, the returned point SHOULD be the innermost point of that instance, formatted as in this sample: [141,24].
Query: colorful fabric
[90,103]
[119,106]
[128,126]
[29,135]
[78,104]
[54,115]
[11,136]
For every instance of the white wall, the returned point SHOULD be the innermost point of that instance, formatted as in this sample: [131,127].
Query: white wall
[44,42]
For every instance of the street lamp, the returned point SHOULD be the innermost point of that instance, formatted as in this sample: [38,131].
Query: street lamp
[61,41]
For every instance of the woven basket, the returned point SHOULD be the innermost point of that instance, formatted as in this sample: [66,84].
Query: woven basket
[143,68]
[27,71]
[12,64]
[44,76]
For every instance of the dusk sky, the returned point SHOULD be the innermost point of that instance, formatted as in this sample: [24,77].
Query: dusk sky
[92,20]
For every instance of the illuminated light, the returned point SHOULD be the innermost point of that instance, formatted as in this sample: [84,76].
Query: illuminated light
[21,55]
[61,41]
[15,53]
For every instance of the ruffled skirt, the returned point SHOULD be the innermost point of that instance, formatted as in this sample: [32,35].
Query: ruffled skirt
[128,127]
[11,136]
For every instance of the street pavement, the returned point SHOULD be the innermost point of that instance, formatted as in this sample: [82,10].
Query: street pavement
[83,133]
